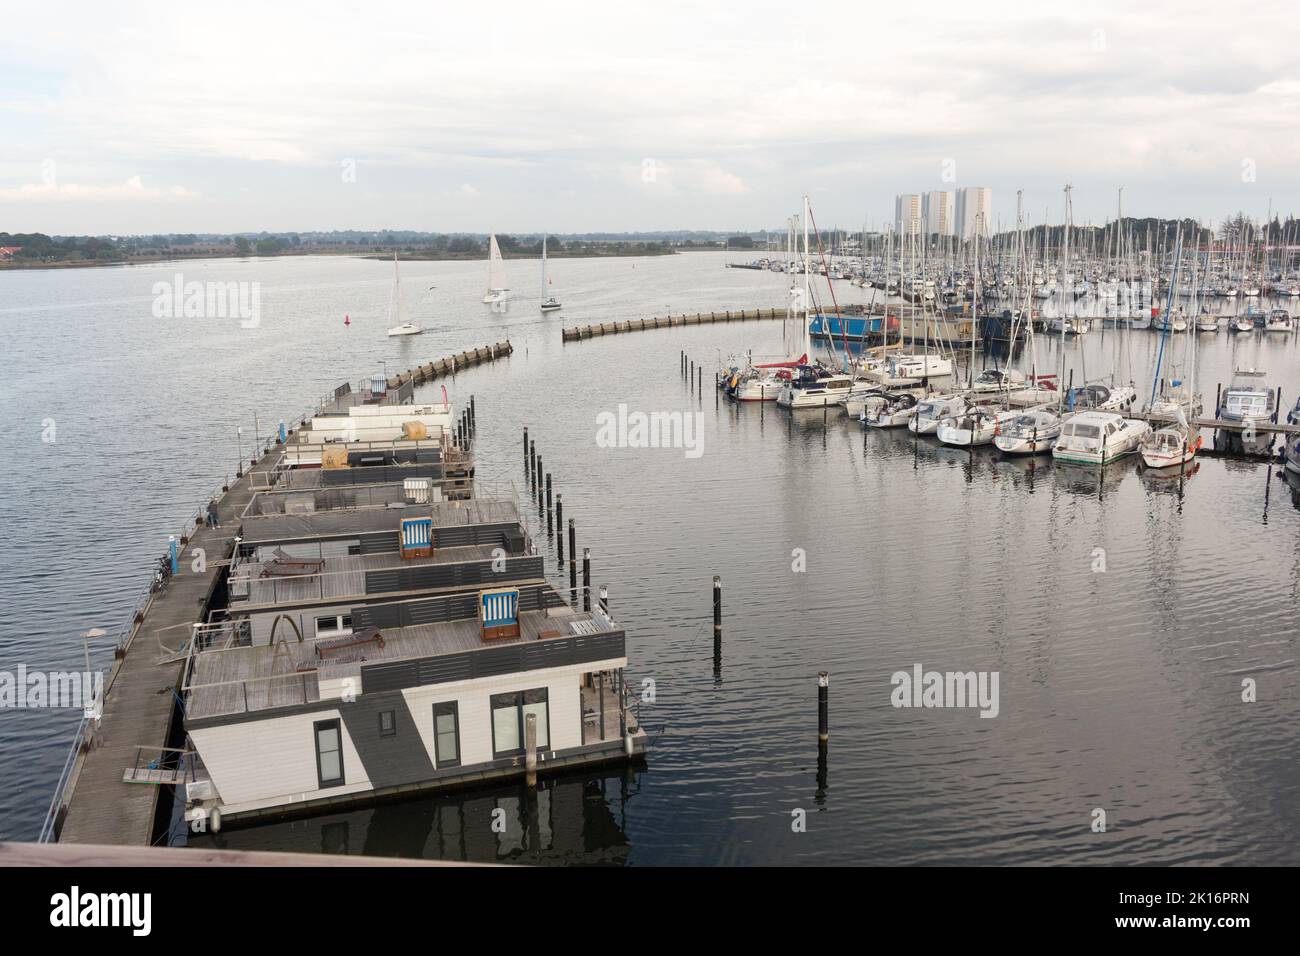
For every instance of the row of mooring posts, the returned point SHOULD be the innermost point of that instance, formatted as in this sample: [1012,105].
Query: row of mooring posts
[693,375]
[541,483]
[553,508]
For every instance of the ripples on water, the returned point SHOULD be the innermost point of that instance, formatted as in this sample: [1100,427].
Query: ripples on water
[1118,690]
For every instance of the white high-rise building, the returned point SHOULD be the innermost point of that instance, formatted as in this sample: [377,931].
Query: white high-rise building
[940,213]
[909,219]
[975,212]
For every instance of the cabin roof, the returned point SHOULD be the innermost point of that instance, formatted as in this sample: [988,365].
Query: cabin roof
[264,677]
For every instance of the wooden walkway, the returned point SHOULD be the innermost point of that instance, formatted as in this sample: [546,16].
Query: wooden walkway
[1219,424]
[98,807]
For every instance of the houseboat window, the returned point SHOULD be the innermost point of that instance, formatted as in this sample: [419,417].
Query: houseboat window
[446,734]
[329,753]
[506,736]
[535,703]
[387,723]
[508,714]
[333,625]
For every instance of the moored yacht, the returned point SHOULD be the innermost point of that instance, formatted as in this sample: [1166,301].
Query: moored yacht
[978,425]
[889,410]
[933,410]
[1103,398]
[1279,320]
[813,386]
[1171,446]
[1097,438]
[1250,401]
[1032,432]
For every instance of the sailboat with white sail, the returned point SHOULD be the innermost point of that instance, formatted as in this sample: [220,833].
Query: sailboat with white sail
[549,302]
[396,298]
[497,291]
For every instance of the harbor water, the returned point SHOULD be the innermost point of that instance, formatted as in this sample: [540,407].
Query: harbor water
[1121,611]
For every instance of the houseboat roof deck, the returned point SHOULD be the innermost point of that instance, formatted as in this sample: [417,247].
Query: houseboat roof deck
[356,514]
[244,679]
[265,583]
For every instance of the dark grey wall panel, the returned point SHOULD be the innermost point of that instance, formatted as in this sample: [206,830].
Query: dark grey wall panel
[388,761]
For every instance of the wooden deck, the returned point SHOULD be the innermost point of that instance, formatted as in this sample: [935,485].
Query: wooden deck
[243,679]
[343,576]
[140,693]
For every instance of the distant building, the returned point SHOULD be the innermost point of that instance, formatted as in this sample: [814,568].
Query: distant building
[975,212]
[8,252]
[939,212]
[908,217]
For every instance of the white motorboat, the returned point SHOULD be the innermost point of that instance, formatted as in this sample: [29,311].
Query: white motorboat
[1097,438]
[1250,401]
[812,386]
[1279,320]
[1032,432]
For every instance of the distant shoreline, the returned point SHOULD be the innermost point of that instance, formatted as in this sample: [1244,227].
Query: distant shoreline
[402,256]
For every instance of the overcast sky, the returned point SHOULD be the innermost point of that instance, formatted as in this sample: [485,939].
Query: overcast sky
[623,116]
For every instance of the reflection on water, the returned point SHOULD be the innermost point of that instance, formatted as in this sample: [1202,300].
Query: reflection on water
[566,820]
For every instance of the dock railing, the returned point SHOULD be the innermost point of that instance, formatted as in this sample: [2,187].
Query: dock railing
[79,740]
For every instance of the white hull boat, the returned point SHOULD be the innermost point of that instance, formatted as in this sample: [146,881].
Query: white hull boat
[498,291]
[1033,432]
[889,411]
[931,412]
[978,426]
[1098,438]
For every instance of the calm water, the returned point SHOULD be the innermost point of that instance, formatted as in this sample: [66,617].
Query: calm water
[1119,689]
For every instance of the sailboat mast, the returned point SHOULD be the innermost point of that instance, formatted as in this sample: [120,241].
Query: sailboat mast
[807,291]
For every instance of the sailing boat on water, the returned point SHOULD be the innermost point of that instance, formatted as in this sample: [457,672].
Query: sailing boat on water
[549,302]
[1176,444]
[497,291]
[395,297]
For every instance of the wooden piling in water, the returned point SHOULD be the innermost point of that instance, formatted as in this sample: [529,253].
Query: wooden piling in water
[559,527]
[586,579]
[573,563]
[823,706]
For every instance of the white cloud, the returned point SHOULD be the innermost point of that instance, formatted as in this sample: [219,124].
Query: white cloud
[534,104]
[133,189]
